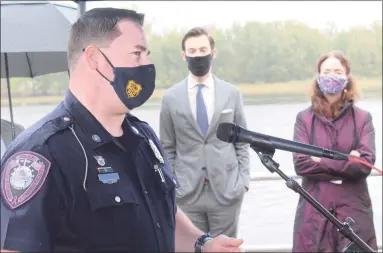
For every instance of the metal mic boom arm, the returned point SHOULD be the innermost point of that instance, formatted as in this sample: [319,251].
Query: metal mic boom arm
[356,244]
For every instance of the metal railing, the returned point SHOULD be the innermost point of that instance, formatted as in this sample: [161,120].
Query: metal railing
[283,247]
[272,177]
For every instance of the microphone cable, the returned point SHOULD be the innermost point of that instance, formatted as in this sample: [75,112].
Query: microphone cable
[358,160]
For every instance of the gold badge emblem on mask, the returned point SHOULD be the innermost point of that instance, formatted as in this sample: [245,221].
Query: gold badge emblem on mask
[133,89]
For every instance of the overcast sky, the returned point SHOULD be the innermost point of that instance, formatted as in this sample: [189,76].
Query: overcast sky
[186,14]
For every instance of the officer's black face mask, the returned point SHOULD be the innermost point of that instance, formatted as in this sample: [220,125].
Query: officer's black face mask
[199,65]
[133,85]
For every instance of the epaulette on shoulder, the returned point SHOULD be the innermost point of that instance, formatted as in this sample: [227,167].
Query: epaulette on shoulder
[41,131]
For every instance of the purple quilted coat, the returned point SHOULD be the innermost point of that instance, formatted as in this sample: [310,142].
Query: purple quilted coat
[340,186]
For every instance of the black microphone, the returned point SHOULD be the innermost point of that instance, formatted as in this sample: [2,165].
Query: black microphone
[232,133]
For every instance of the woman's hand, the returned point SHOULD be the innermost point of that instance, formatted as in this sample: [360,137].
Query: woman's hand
[355,153]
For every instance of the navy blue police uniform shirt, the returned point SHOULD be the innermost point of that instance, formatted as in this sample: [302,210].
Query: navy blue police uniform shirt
[67,184]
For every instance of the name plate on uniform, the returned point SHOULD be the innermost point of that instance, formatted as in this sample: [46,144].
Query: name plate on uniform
[107,176]
[103,170]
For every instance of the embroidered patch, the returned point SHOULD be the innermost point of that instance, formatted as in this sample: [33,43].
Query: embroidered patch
[23,175]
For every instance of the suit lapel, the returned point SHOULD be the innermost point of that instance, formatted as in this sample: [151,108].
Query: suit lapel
[219,103]
[185,104]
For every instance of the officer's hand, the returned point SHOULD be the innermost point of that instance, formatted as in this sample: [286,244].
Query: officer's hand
[222,243]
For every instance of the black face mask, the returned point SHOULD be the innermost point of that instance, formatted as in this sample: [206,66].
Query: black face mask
[199,65]
[135,85]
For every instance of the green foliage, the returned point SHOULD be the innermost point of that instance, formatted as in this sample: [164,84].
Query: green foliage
[251,53]
[272,52]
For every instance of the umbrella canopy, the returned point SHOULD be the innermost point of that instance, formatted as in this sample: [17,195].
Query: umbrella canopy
[34,38]
[34,35]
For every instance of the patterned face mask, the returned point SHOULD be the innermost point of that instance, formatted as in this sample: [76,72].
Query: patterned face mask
[133,85]
[330,84]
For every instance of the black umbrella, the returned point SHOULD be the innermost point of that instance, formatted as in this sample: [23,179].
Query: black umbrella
[34,38]
[81,6]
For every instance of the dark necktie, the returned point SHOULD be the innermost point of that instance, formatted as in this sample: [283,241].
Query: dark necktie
[201,111]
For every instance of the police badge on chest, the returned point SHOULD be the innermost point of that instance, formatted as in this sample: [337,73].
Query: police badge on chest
[156,152]
[158,168]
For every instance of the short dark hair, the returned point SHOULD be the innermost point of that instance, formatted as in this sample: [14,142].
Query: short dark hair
[196,32]
[98,26]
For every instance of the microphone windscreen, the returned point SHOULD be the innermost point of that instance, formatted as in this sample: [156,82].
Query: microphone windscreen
[225,131]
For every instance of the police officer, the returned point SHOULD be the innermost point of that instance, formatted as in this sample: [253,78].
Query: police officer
[89,176]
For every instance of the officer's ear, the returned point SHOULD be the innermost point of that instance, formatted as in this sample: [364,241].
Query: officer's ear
[91,54]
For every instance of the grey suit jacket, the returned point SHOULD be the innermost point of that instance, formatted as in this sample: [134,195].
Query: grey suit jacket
[6,131]
[188,151]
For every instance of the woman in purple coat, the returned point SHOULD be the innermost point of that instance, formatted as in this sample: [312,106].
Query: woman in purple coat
[334,122]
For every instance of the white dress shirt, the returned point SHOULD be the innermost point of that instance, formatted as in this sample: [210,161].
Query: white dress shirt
[208,94]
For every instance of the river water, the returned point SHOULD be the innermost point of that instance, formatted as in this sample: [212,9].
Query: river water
[268,210]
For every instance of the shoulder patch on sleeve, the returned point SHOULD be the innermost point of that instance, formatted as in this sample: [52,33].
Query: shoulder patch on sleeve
[22,177]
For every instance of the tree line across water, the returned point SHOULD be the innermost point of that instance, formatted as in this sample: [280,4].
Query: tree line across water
[252,53]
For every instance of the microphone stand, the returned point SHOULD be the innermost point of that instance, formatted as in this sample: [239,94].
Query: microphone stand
[356,244]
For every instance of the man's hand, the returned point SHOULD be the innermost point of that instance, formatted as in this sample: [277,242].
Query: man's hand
[355,153]
[315,159]
[222,243]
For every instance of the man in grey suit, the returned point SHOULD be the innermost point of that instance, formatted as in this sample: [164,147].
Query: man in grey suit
[213,175]
[6,134]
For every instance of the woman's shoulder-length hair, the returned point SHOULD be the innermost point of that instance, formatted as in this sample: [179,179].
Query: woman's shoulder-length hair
[351,93]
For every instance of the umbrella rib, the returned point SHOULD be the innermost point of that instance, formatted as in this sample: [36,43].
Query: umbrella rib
[29,64]
[9,95]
